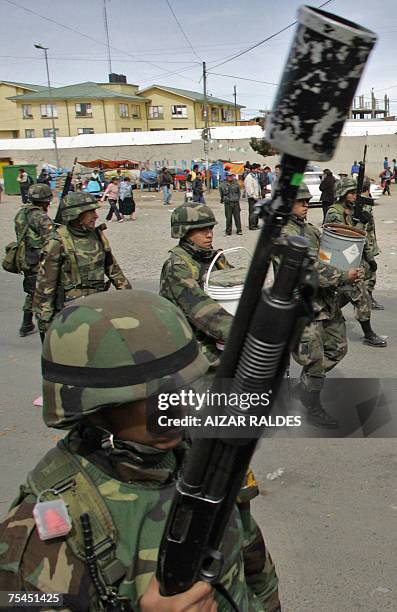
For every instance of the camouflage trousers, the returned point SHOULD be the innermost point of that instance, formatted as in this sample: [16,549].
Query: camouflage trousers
[357,295]
[29,285]
[322,346]
[259,569]
[369,277]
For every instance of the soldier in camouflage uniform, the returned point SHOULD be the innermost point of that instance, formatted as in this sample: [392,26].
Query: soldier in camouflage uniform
[39,225]
[372,248]
[105,358]
[342,212]
[323,343]
[183,274]
[75,260]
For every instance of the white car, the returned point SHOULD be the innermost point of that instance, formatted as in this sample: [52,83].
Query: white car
[313,180]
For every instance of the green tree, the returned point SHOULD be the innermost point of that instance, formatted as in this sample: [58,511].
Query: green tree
[262,146]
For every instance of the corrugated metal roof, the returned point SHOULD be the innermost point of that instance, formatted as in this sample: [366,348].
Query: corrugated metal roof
[369,128]
[79,91]
[130,138]
[232,132]
[192,95]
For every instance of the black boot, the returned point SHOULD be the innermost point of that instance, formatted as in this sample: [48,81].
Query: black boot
[370,337]
[373,339]
[374,304]
[316,415]
[27,326]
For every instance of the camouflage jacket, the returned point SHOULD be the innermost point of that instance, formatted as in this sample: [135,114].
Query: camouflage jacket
[326,303]
[74,264]
[182,282]
[372,244]
[230,192]
[337,214]
[138,496]
[39,228]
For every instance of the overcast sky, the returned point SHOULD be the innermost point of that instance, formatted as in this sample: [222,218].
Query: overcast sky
[147,44]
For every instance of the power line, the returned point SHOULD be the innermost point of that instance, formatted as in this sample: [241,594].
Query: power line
[165,74]
[86,59]
[231,76]
[182,30]
[261,42]
[70,29]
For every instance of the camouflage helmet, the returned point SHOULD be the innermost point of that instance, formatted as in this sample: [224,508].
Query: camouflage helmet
[344,186]
[115,348]
[189,217]
[40,192]
[76,203]
[303,192]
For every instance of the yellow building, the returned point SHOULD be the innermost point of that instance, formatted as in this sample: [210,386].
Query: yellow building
[85,108]
[9,118]
[171,108]
[93,108]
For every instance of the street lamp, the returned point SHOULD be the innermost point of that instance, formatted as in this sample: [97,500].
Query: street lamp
[54,135]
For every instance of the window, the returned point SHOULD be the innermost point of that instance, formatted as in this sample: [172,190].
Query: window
[29,133]
[179,111]
[180,129]
[156,112]
[47,132]
[85,130]
[27,111]
[83,110]
[156,129]
[227,114]
[124,110]
[126,129]
[46,110]
[136,111]
[137,130]
[214,114]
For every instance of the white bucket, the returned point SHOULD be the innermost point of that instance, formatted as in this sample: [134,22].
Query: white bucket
[227,297]
[342,245]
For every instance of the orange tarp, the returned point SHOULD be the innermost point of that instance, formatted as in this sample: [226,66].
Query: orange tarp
[108,164]
[234,168]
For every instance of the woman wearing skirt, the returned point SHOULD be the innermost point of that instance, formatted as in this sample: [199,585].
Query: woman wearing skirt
[126,198]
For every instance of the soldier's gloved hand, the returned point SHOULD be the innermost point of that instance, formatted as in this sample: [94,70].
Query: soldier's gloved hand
[200,598]
[355,274]
[373,265]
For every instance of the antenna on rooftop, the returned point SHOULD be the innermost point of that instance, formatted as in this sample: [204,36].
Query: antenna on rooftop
[105,23]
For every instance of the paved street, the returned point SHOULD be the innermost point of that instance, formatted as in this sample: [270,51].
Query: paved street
[330,517]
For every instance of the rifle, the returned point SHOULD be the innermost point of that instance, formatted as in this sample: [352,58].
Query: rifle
[65,191]
[360,215]
[306,122]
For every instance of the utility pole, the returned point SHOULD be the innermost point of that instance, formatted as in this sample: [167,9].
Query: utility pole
[206,131]
[54,134]
[235,105]
[105,21]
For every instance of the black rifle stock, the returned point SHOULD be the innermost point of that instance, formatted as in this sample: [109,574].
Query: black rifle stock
[361,173]
[307,118]
[65,191]
[361,201]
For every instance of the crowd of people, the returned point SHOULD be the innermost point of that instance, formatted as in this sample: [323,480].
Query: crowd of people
[107,355]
